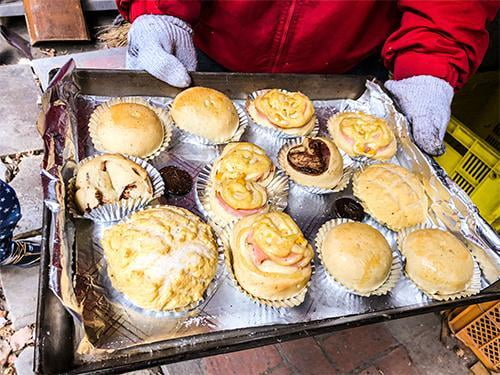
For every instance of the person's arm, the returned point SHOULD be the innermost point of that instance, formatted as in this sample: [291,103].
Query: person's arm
[160,39]
[437,47]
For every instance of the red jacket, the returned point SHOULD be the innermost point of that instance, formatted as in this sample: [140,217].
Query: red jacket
[445,39]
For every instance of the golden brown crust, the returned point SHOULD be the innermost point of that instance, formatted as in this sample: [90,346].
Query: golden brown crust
[129,128]
[361,134]
[357,255]
[108,179]
[392,194]
[309,165]
[271,257]
[163,258]
[437,261]
[205,112]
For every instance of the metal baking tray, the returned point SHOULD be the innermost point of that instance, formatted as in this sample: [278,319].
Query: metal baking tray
[55,331]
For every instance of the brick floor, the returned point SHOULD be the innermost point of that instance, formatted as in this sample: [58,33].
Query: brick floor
[396,362]
[306,356]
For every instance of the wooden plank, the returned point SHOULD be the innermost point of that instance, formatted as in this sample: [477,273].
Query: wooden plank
[51,20]
[17,9]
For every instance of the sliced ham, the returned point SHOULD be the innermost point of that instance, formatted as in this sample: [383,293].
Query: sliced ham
[237,212]
[258,256]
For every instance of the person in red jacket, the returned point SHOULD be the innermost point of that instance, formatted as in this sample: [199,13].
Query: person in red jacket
[431,47]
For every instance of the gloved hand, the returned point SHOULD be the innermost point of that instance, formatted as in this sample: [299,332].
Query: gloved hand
[163,46]
[426,101]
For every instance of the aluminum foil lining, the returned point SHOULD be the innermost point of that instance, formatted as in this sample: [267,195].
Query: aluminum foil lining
[104,325]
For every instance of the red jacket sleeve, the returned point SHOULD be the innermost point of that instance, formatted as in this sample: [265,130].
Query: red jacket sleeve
[186,10]
[446,39]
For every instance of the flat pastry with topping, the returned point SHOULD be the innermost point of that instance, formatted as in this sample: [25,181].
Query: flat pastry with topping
[314,162]
[393,195]
[437,262]
[271,258]
[109,178]
[161,258]
[357,255]
[361,134]
[205,112]
[291,113]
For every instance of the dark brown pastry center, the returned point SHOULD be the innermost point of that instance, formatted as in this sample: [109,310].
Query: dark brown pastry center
[177,181]
[312,157]
[349,208]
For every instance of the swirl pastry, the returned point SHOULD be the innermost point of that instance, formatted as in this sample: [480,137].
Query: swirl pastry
[357,255]
[205,112]
[437,262]
[161,258]
[314,162]
[108,179]
[361,134]
[271,258]
[244,159]
[289,112]
[393,195]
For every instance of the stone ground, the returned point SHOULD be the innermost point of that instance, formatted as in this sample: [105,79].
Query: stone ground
[406,346]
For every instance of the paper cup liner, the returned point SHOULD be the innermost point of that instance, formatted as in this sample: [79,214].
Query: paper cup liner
[277,195]
[360,159]
[474,286]
[392,278]
[347,173]
[274,131]
[118,210]
[355,191]
[161,113]
[189,137]
[293,301]
[190,309]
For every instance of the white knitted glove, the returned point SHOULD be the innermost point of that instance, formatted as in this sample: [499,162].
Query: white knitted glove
[163,46]
[426,101]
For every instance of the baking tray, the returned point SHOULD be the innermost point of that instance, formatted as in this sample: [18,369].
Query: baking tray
[55,335]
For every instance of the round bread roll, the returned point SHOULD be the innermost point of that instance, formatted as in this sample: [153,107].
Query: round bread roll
[314,162]
[162,258]
[271,257]
[437,261]
[108,179]
[129,128]
[205,112]
[393,195]
[357,255]
[361,134]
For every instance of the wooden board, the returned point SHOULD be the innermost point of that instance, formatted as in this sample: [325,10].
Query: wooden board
[51,20]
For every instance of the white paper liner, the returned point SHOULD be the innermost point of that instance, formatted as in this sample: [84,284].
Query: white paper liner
[474,286]
[277,194]
[355,191]
[349,169]
[361,159]
[274,131]
[116,211]
[180,311]
[197,139]
[293,301]
[392,278]
[161,113]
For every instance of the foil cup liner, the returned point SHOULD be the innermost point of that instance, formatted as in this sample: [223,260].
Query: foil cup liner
[293,301]
[188,310]
[474,286]
[355,191]
[117,211]
[349,169]
[197,139]
[277,195]
[392,278]
[360,159]
[273,131]
[161,113]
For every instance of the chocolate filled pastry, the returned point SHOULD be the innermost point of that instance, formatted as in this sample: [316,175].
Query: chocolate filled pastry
[109,178]
[271,258]
[361,134]
[314,162]
[291,113]
[177,181]
[349,208]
